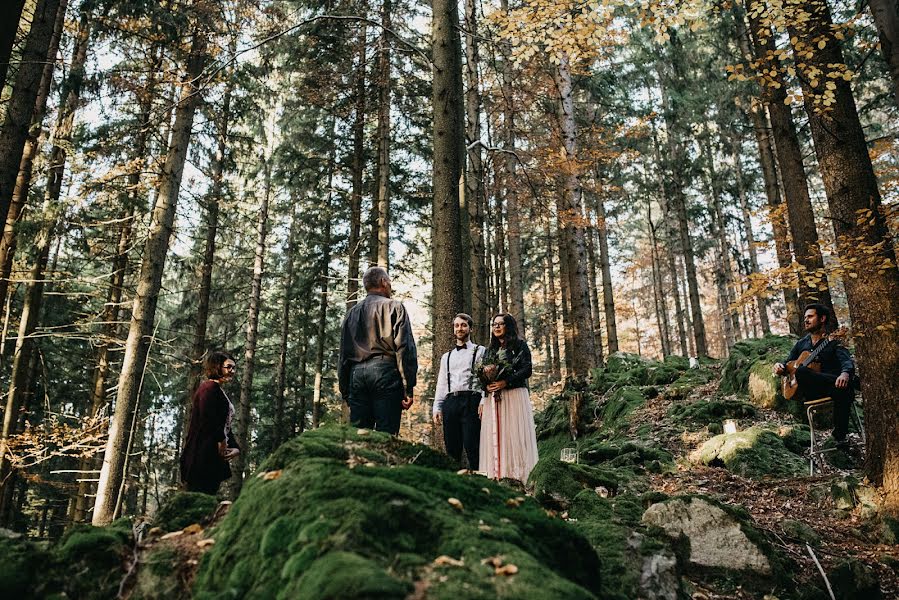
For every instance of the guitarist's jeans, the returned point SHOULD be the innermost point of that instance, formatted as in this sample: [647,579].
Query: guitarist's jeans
[814,385]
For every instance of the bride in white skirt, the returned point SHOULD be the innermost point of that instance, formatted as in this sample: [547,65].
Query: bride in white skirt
[508,437]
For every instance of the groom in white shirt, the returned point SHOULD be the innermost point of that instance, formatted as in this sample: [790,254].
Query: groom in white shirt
[456,398]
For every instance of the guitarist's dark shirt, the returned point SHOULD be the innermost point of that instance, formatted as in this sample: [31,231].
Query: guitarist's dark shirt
[834,359]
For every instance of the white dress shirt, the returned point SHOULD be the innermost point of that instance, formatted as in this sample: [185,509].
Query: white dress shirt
[460,376]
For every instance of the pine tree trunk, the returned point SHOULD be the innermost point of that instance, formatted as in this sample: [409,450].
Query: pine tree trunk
[722,264]
[567,330]
[449,157]
[474,181]
[304,362]
[243,429]
[39,48]
[553,303]
[143,315]
[605,265]
[678,201]
[571,243]
[383,245]
[661,304]
[768,162]
[862,236]
[592,280]
[354,243]
[760,301]
[886,17]
[280,433]
[323,298]
[32,142]
[801,216]
[8,29]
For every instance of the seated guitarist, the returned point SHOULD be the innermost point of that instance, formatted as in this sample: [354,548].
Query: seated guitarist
[836,371]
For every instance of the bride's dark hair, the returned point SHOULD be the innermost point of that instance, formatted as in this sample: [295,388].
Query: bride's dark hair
[511,330]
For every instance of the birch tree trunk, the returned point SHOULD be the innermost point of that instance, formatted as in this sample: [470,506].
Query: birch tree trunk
[243,428]
[571,243]
[143,313]
[39,48]
[864,242]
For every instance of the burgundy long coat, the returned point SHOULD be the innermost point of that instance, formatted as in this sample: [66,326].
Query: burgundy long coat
[201,463]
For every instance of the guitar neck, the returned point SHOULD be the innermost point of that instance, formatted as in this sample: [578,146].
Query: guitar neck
[814,355]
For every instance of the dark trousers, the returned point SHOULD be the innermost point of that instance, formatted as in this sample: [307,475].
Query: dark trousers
[814,385]
[462,427]
[376,395]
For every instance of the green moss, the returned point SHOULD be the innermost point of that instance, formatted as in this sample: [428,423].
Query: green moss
[22,568]
[746,354]
[706,411]
[753,452]
[557,483]
[160,576]
[613,409]
[800,531]
[373,531]
[184,508]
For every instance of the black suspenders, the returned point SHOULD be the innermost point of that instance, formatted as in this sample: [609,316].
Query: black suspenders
[474,355]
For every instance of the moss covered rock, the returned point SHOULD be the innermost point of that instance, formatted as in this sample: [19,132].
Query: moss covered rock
[748,369]
[343,515]
[754,452]
[184,508]
[710,410]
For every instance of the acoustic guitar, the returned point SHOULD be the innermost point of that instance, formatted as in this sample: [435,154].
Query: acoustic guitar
[808,358]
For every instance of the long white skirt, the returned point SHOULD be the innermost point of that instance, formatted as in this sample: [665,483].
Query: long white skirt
[508,437]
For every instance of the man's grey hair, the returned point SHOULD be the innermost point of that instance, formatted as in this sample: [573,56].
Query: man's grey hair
[375,277]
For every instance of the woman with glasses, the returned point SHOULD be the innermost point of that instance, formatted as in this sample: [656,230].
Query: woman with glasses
[209,444]
[508,438]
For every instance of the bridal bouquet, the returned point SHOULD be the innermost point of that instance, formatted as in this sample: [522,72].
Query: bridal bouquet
[492,367]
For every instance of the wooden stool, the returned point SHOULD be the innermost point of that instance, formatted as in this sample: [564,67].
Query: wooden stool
[811,407]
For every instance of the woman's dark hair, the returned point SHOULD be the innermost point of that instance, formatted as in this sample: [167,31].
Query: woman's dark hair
[511,330]
[214,362]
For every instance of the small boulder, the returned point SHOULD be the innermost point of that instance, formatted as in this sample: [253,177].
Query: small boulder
[753,452]
[800,531]
[853,580]
[658,578]
[716,537]
[843,493]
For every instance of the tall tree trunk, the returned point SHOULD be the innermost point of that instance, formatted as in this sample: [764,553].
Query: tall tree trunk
[677,197]
[570,209]
[323,298]
[593,283]
[384,91]
[244,429]
[35,133]
[661,304]
[140,332]
[723,275]
[280,429]
[760,301]
[474,181]
[553,312]
[864,242]
[449,157]
[886,17]
[565,292]
[39,48]
[813,286]
[354,243]
[605,265]
[8,29]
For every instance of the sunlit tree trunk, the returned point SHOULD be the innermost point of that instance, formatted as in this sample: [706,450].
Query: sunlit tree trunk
[143,315]
[605,265]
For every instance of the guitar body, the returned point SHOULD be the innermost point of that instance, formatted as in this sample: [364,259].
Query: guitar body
[790,385]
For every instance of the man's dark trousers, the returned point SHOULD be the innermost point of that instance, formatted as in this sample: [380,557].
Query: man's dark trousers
[376,395]
[814,385]
[462,427]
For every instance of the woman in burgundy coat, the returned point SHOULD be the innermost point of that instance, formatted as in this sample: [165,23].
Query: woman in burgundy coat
[209,444]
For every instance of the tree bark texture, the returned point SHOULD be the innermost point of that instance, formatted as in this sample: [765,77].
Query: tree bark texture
[449,156]
[323,298]
[864,243]
[605,265]
[354,243]
[553,332]
[280,433]
[571,243]
[384,91]
[20,107]
[886,17]
[143,313]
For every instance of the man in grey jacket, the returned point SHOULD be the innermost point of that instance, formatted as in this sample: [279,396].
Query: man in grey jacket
[378,364]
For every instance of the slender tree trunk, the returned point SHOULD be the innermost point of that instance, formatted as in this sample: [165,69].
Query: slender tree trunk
[39,48]
[678,200]
[323,298]
[565,292]
[592,281]
[605,264]
[569,206]
[863,241]
[500,254]
[354,243]
[449,157]
[760,300]
[723,277]
[143,315]
[280,429]
[553,312]
[813,286]
[35,134]
[304,363]
[8,29]
[691,337]
[658,287]
[474,181]
[886,17]
[384,90]
[244,429]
